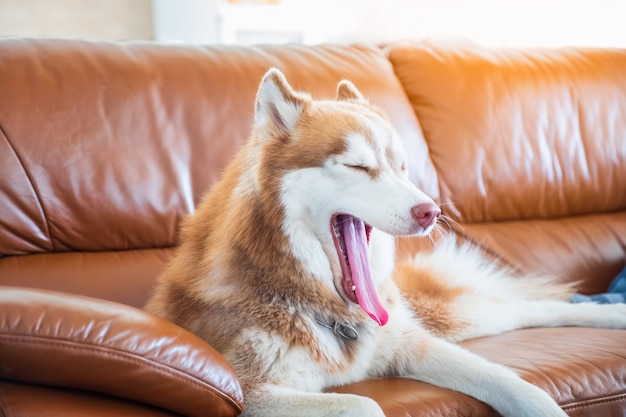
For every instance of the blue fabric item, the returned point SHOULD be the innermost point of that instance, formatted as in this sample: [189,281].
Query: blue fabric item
[615,294]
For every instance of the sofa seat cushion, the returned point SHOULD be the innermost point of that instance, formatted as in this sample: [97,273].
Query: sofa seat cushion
[17,401]
[583,369]
[76,342]
[125,276]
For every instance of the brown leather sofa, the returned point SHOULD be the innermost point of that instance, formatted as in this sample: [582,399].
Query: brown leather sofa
[105,146]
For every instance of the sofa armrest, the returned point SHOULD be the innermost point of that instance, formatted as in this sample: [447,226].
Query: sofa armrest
[77,342]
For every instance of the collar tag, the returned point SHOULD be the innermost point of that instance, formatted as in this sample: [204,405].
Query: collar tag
[345,330]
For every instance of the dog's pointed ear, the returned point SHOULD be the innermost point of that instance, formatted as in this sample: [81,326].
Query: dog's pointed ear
[346,91]
[277,103]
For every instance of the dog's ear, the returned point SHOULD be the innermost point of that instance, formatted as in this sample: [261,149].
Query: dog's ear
[346,91]
[277,103]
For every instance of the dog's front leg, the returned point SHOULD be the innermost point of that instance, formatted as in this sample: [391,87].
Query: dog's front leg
[450,366]
[277,401]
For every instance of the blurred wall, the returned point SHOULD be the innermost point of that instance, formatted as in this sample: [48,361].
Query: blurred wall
[485,22]
[95,19]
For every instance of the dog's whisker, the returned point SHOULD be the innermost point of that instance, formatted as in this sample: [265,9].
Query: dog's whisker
[449,222]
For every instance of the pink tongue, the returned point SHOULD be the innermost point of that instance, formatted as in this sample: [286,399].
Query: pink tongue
[358,257]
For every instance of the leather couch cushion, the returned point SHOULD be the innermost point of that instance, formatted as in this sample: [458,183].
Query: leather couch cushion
[17,401]
[529,148]
[105,146]
[61,340]
[583,369]
[96,274]
[547,123]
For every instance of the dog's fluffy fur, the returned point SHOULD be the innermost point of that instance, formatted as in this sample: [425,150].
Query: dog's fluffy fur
[265,275]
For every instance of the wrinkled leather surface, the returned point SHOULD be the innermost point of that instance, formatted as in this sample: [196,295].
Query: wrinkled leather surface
[530,149]
[105,146]
[136,132]
[520,134]
[55,339]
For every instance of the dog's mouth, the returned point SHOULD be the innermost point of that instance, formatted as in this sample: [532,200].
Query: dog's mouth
[351,236]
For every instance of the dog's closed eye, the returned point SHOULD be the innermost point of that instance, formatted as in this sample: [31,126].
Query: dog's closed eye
[371,171]
[358,167]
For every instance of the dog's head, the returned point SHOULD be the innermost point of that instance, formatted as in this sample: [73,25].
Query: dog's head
[342,177]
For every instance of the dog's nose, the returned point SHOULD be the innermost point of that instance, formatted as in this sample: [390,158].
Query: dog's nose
[426,214]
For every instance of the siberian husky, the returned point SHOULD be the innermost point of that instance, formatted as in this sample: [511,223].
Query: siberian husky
[287,267]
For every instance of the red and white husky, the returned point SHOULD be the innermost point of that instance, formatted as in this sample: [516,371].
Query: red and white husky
[287,266]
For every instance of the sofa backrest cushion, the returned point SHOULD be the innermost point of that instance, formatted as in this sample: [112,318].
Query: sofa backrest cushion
[530,150]
[521,134]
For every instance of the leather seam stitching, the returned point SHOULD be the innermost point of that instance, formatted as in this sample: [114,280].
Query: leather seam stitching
[593,402]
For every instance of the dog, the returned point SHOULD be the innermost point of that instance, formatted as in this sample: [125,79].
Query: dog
[287,269]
